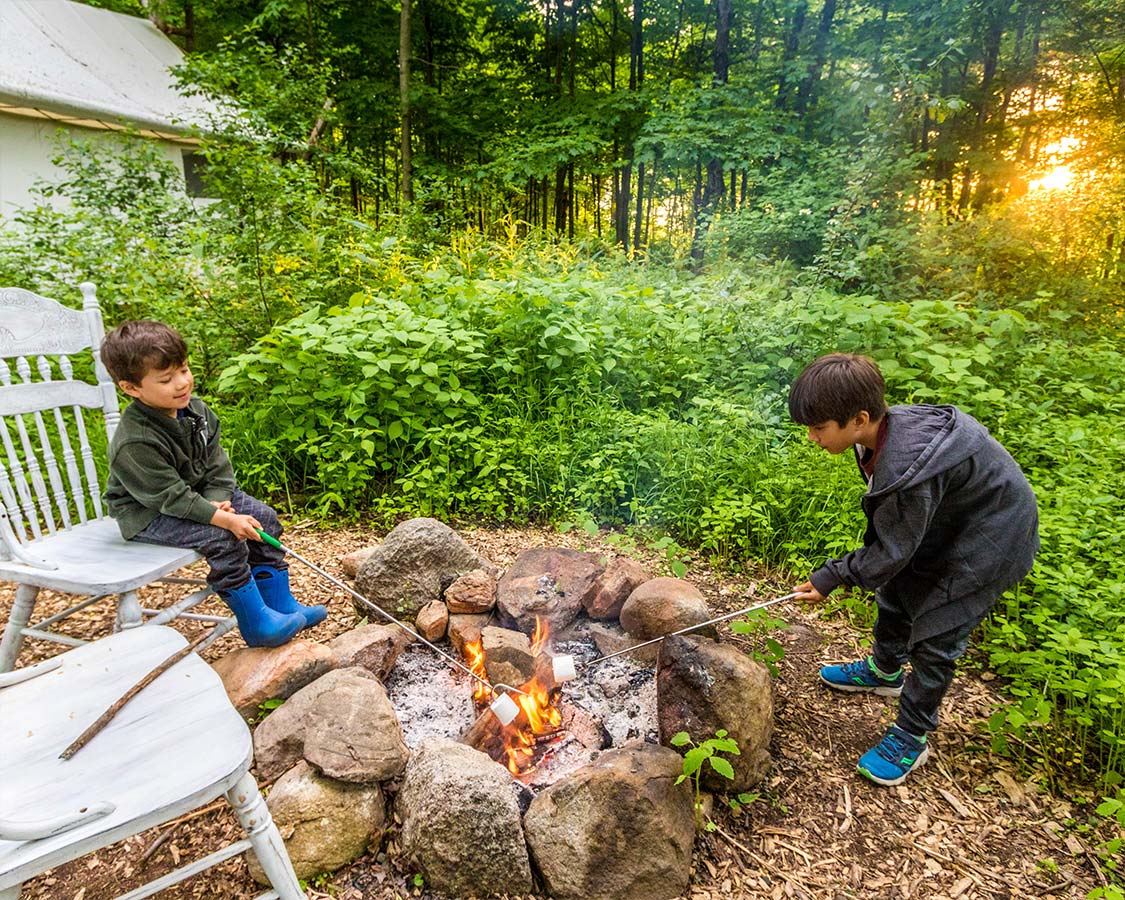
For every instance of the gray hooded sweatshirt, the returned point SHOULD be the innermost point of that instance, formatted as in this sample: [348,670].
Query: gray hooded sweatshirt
[951,522]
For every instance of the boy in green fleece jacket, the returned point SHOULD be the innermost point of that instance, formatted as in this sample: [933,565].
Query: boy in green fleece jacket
[171,483]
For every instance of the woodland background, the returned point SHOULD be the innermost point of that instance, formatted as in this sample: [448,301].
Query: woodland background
[560,261]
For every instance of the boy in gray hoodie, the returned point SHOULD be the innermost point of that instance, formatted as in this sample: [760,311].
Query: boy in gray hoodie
[951,524]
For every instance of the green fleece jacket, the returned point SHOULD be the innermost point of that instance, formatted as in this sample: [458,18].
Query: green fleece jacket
[158,464]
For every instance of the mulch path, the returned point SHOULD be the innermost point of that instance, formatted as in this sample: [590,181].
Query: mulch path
[967,825]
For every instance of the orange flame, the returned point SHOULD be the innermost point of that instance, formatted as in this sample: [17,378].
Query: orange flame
[537,715]
[539,639]
[474,653]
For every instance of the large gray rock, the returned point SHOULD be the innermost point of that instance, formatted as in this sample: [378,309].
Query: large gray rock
[342,723]
[461,822]
[550,582]
[373,647]
[661,606]
[621,577]
[325,824]
[254,675]
[418,560]
[619,828]
[701,687]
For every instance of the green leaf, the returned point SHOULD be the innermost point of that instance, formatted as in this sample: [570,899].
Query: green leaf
[723,767]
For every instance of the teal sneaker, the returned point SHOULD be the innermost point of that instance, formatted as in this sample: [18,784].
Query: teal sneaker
[861,675]
[894,757]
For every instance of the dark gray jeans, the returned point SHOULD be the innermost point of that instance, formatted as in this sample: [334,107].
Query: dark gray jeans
[230,558]
[932,662]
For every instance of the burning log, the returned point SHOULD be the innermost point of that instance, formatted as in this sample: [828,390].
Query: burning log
[537,716]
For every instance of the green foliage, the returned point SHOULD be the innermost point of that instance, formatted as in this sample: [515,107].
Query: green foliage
[758,624]
[705,752]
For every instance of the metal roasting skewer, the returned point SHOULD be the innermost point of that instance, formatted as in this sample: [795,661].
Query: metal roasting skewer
[741,612]
[493,688]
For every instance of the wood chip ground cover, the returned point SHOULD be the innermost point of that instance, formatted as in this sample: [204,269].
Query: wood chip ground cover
[966,826]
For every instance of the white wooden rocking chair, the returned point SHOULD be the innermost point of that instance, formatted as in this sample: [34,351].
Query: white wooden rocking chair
[54,532]
[176,746]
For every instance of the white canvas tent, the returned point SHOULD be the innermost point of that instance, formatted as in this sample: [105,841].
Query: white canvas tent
[84,70]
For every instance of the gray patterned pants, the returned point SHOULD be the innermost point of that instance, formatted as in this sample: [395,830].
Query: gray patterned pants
[230,558]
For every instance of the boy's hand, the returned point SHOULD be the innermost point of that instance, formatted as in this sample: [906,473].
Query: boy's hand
[809,593]
[243,527]
[224,505]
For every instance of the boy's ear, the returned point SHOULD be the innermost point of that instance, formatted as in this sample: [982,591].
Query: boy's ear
[129,388]
[861,419]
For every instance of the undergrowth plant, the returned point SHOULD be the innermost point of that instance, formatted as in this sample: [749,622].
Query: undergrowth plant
[707,751]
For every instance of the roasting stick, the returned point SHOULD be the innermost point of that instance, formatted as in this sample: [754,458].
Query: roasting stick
[201,642]
[498,706]
[564,665]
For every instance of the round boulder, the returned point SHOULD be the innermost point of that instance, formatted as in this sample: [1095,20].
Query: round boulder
[461,822]
[702,687]
[325,824]
[418,560]
[617,829]
[661,606]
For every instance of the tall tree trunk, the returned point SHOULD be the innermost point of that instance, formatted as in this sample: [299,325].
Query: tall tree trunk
[639,56]
[792,44]
[806,93]
[404,100]
[716,186]
[993,37]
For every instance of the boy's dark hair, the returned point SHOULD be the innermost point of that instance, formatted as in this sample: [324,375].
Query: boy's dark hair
[838,387]
[136,347]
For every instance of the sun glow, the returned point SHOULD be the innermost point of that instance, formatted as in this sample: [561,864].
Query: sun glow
[1059,175]
[1056,179]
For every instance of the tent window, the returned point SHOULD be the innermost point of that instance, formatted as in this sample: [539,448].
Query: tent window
[194,175]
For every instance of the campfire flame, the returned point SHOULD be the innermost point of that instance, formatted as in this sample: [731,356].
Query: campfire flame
[538,714]
[474,655]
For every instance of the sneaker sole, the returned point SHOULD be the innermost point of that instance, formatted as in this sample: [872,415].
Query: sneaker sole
[863,689]
[891,782]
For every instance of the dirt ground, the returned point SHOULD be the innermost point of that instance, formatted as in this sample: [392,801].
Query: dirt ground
[967,825]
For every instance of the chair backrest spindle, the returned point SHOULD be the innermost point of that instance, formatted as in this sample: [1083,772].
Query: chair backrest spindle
[35,491]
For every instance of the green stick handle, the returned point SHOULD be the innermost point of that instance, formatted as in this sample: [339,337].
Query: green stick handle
[269,539]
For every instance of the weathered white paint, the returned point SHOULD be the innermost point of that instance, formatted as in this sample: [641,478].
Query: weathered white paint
[27,147]
[176,746]
[86,70]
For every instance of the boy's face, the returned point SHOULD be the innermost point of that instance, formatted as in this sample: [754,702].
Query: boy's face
[168,390]
[836,438]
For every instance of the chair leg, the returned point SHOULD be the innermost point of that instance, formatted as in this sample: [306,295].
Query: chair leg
[129,613]
[10,644]
[266,839]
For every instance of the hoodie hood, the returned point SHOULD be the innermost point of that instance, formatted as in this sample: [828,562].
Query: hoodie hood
[923,441]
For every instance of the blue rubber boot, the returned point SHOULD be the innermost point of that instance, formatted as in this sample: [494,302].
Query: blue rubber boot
[274,585]
[259,625]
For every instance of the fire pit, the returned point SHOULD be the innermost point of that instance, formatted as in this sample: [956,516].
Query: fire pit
[558,727]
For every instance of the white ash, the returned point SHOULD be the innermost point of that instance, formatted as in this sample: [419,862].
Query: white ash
[619,692]
[431,698]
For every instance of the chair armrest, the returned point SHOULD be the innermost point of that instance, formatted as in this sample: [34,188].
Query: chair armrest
[18,676]
[45,828]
